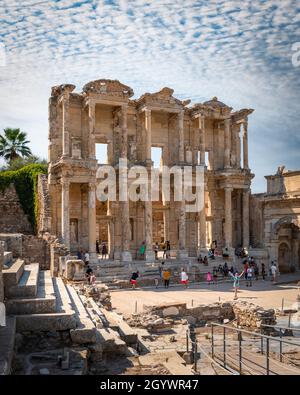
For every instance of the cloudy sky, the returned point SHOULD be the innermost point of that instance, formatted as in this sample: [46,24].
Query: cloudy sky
[239,51]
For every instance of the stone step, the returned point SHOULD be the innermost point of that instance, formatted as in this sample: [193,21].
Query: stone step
[44,302]
[7,258]
[13,273]
[28,283]
[117,323]
[111,341]
[85,331]
[7,342]
[62,319]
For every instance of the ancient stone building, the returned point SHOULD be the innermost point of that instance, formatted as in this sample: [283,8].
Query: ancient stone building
[275,219]
[210,135]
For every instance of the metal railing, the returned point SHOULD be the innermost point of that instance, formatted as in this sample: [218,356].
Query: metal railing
[263,338]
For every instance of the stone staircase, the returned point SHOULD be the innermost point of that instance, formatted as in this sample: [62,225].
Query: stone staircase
[37,302]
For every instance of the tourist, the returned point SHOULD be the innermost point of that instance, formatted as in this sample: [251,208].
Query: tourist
[249,276]
[225,269]
[256,271]
[104,251]
[246,266]
[160,269]
[236,282]
[156,281]
[166,277]
[88,273]
[211,254]
[97,247]
[184,278]
[200,259]
[164,247]
[209,278]
[168,249]
[225,252]
[142,250]
[263,271]
[86,258]
[205,261]
[156,248]
[273,271]
[79,255]
[133,279]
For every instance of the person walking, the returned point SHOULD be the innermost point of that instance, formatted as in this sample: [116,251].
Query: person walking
[133,279]
[168,249]
[164,247]
[209,278]
[166,277]
[97,247]
[256,271]
[184,278]
[104,251]
[236,282]
[263,271]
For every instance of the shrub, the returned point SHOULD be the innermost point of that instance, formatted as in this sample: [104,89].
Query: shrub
[25,182]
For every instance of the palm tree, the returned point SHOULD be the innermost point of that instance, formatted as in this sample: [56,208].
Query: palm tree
[13,145]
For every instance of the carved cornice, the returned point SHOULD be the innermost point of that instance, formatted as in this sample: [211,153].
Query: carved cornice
[108,88]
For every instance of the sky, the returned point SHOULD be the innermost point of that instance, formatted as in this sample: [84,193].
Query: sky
[239,51]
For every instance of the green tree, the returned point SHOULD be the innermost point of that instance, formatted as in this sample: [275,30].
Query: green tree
[14,144]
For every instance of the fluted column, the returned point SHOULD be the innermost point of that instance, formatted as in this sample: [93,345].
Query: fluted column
[245,145]
[182,231]
[92,143]
[246,194]
[65,131]
[124,205]
[148,128]
[92,221]
[238,146]
[166,215]
[228,217]
[227,124]
[202,139]
[65,216]
[180,137]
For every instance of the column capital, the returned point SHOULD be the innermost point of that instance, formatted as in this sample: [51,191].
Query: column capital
[92,186]
[229,188]
[147,111]
[65,182]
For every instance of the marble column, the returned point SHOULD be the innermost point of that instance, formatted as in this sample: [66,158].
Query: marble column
[65,215]
[148,129]
[166,215]
[202,139]
[111,229]
[124,205]
[65,129]
[239,217]
[238,146]
[227,138]
[92,143]
[182,253]
[92,222]
[245,145]
[180,137]
[246,194]
[228,217]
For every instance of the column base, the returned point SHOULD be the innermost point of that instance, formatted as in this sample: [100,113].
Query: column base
[149,256]
[182,254]
[126,256]
[93,257]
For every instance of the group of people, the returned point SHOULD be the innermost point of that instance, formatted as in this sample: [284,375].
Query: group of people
[103,250]
[204,260]
[166,247]
[164,275]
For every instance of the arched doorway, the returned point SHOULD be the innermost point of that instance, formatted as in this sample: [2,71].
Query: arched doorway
[284,257]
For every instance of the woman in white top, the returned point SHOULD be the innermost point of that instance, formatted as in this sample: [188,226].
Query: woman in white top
[184,278]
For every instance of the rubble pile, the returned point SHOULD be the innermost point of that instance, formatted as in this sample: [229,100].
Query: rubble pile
[251,316]
[98,292]
[151,322]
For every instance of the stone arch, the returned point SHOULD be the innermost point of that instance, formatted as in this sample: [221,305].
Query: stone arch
[287,220]
[284,257]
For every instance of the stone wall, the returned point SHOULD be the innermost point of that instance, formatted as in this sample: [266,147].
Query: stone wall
[12,218]
[1,276]
[44,208]
[251,316]
[36,250]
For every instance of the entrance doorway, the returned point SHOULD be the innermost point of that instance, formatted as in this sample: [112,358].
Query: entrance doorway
[284,258]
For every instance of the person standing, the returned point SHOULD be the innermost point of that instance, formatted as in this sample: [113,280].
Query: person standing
[156,248]
[142,250]
[97,247]
[184,278]
[168,249]
[86,258]
[249,276]
[104,251]
[274,272]
[256,271]
[164,247]
[209,278]
[236,282]
[166,278]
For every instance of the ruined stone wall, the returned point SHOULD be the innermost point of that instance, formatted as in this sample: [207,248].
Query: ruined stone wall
[44,208]
[36,250]
[1,275]
[12,218]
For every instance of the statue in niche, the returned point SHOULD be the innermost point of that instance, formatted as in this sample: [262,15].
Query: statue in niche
[132,148]
[74,230]
[76,148]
